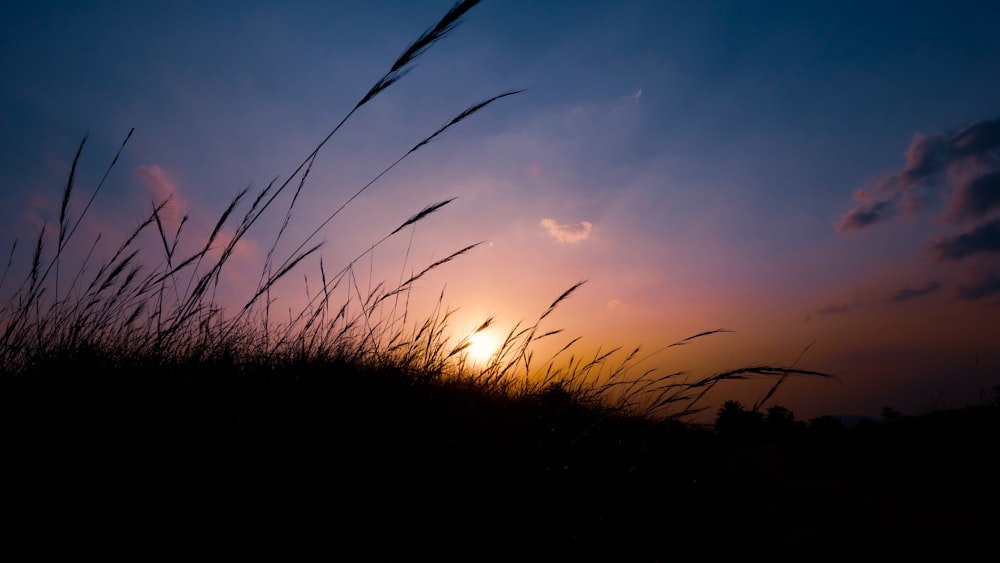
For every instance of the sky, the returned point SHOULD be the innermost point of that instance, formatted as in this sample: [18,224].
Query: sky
[821,179]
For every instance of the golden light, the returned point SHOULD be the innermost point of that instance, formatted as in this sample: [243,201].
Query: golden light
[482,346]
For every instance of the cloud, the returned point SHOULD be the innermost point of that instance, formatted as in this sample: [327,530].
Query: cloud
[975,197]
[909,293]
[982,284]
[162,188]
[614,304]
[245,247]
[964,166]
[978,138]
[627,104]
[835,309]
[865,215]
[981,239]
[571,233]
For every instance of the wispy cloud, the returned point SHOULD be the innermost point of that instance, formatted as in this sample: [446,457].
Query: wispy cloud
[875,294]
[983,283]
[910,293]
[868,213]
[964,164]
[835,309]
[571,233]
[162,187]
[627,105]
[982,239]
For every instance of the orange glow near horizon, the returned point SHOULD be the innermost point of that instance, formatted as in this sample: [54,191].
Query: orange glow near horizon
[482,346]
[682,213]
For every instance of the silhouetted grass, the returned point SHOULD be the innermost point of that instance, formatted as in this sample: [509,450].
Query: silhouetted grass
[148,421]
[164,307]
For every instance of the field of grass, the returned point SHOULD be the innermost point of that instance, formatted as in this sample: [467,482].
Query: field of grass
[144,421]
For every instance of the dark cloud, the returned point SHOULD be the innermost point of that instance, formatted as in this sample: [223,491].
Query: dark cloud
[978,138]
[925,160]
[835,309]
[983,284]
[966,162]
[974,198]
[908,293]
[982,239]
[865,215]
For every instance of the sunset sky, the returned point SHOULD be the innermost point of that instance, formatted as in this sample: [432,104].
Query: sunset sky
[816,177]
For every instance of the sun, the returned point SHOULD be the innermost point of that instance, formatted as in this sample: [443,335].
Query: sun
[482,346]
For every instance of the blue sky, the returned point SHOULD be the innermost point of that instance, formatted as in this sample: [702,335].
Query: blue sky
[798,173]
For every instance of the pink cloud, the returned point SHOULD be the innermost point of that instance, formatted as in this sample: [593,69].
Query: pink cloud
[162,188]
[961,166]
[241,263]
[571,233]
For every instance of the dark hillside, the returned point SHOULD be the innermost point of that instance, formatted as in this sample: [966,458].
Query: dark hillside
[338,463]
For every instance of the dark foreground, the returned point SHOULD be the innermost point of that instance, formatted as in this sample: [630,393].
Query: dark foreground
[328,464]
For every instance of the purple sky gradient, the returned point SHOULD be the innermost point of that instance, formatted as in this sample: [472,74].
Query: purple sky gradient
[822,176]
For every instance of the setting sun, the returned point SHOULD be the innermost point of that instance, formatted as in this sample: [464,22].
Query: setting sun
[482,346]
[559,293]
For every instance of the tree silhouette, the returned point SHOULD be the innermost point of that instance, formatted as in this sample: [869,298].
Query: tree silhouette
[734,420]
[779,420]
